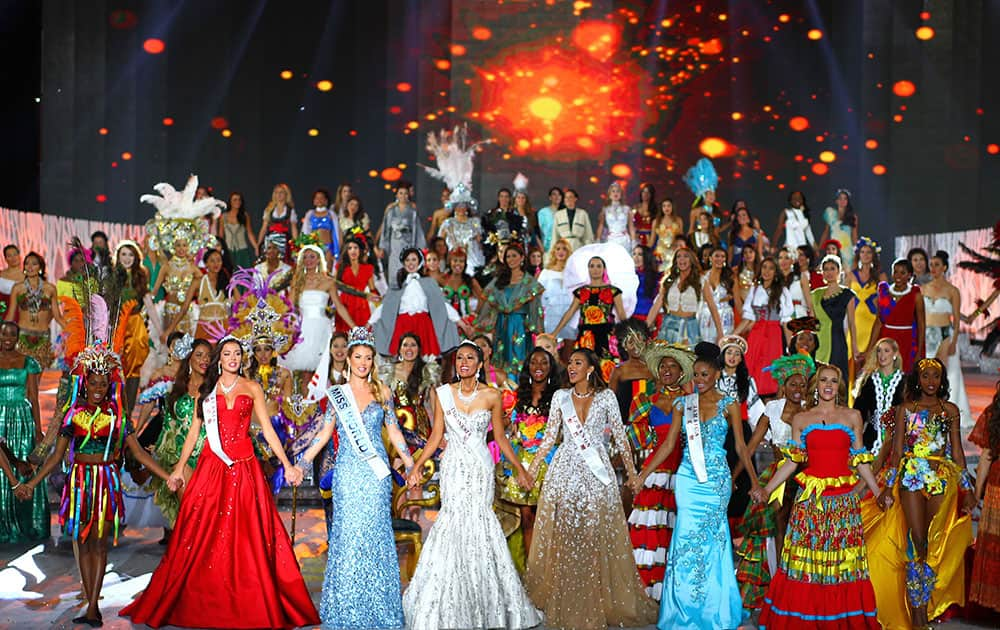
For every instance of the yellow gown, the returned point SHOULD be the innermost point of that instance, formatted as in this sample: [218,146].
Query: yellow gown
[866,308]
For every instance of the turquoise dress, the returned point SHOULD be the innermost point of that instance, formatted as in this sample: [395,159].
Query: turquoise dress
[699,588]
[361,587]
[20,521]
[514,315]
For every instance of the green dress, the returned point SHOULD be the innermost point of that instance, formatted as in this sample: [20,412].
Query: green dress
[514,315]
[176,423]
[20,521]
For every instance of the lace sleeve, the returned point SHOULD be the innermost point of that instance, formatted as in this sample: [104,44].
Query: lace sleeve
[552,427]
[618,434]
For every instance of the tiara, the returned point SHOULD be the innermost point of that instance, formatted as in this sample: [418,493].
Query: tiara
[98,358]
[360,336]
[182,347]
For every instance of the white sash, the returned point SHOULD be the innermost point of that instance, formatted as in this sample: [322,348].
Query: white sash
[576,431]
[447,401]
[342,399]
[692,424]
[211,409]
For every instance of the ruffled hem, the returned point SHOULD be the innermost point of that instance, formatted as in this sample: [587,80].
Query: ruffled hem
[794,605]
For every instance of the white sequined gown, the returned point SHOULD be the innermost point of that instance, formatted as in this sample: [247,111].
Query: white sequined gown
[581,570]
[465,577]
[617,219]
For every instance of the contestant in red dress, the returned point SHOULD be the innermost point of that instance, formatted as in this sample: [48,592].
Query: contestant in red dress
[901,314]
[355,281]
[230,562]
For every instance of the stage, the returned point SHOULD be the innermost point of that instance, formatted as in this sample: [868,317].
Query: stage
[39,585]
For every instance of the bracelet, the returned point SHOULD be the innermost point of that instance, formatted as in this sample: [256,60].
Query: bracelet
[966,481]
[890,477]
[19,484]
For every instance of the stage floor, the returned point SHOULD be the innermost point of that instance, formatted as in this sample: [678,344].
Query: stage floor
[39,584]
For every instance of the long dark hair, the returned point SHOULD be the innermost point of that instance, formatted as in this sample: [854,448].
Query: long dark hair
[805,206]
[742,374]
[213,373]
[467,343]
[654,206]
[241,214]
[650,275]
[415,378]
[850,217]
[913,381]
[345,261]
[503,270]
[140,279]
[726,276]
[735,230]
[552,383]
[777,283]
[402,273]
[41,263]
[183,378]
[222,279]
[561,196]
[596,377]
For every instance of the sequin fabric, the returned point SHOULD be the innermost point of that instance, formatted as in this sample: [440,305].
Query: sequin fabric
[581,570]
[361,585]
[465,577]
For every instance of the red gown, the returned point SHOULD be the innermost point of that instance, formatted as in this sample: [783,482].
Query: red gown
[899,320]
[230,562]
[356,305]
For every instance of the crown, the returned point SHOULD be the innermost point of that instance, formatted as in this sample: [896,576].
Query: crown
[360,336]
[733,340]
[97,358]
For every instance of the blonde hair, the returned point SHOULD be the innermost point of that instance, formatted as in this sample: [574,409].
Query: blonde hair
[871,363]
[553,262]
[374,382]
[841,385]
[274,201]
[299,277]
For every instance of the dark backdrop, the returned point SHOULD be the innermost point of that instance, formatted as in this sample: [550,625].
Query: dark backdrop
[638,85]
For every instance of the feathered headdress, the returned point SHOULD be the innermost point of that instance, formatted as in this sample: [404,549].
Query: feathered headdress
[454,155]
[986,263]
[701,177]
[177,217]
[785,366]
[261,314]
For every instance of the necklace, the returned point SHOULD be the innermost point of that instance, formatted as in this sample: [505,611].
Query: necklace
[226,390]
[468,398]
[895,293]
[579,395]
[33,298]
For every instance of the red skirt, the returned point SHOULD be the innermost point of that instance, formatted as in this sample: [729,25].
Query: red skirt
[230,562]
[654,510]
[421,325]
[358,308]
[765,343]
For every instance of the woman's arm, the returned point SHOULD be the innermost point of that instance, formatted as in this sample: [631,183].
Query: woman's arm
[709,297]
[620,308]
[322,437]
[337,304]
[853,330]
[57,308]
[433,441]
[662,452]
[552,428]
[763,424]
[864,469]
[55,459]
[192,291]
[921,326]
[654,309]
[144,458]
[982,472]
[252,237]
[161,276]
[600,224]
[736,423]
[500,437]
[956,317]
[294,476]
[573,306]
[264,222]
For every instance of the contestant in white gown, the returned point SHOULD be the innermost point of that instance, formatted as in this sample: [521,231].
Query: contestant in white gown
[465,577]
[941,314]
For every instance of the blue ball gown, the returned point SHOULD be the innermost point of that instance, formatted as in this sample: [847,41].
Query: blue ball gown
[361,586]
[699,587]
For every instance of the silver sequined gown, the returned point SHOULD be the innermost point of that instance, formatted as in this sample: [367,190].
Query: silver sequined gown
[581,571]
[465,577]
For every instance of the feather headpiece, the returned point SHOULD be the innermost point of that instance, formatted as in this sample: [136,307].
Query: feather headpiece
[261,314]
[178,217]
[701,177]
[454,156]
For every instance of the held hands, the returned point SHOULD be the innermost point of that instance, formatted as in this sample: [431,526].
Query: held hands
[413,479]
[525,480]
[969,502]
[24,491]
[636,482]
[176,481]
[294,474]
[885,500]
[758,494]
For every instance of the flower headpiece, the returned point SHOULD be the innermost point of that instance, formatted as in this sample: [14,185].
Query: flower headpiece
[454,155]
[97,358]
[701,178]
[657,350]
[360,336]
[833,258]
[260,314]
[357,235]
[842,191]
[786,366]
[867,241]
[178,216]
[733,340]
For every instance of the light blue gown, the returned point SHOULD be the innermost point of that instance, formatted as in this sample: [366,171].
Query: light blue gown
[361,587]
[699,588]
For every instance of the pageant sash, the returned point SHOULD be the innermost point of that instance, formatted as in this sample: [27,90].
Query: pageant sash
[447,400]
[342,399]
[583,446]
[211,408]
[692,425]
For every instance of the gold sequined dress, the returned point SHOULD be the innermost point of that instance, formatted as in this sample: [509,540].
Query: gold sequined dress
[581,571]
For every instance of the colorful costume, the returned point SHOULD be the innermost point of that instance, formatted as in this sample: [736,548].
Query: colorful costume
[528,424]
[597,317]
[865,307]
[20,521]
[985,582]
[766,340]
[833,341]
[898,314]
[177,419]
[822,577]
[514,314]
[323,220]
[724,304]
[412,411]
[616,222]
[279,228]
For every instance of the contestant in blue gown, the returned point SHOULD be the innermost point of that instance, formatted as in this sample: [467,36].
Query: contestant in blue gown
[700,590]
[361,587]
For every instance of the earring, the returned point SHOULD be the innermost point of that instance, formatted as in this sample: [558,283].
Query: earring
[220,368]
[189,368]
[479,374]
[816,396]
[369,376]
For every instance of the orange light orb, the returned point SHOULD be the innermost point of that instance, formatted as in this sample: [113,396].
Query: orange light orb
[412,124]
[820,169]
[404,87]
[227,133]
[924,33]
[545,107]
[783,18]
[523,144]
[126,156]
[313,132]
[827,156]
[711,47]
[391,174]
[286,74]
[101,198]
[904,89]
[714,147]
[167,122]
[585,142]
[815,34]
[372,173]
[798,123]
[871,144]
[457,50]
[219,122]
[442,64]
[103,131]
[878,169]
[598,39]
[481,33]
[623,171]
[324,85]
[154,46]
[993,149]
[737,116]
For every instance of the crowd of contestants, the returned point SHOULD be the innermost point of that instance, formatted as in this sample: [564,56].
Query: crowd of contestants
[772,437]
